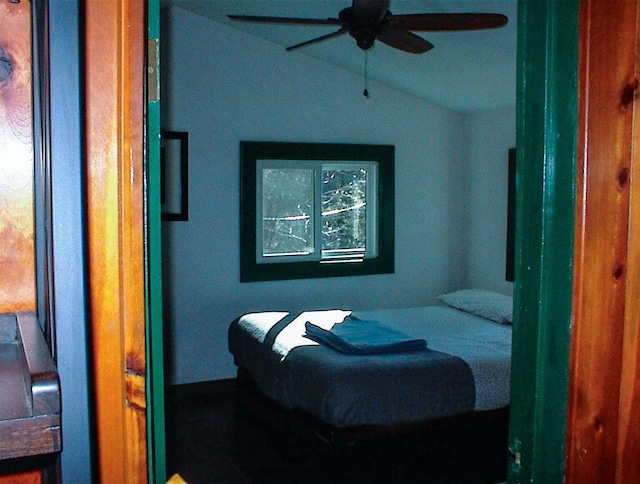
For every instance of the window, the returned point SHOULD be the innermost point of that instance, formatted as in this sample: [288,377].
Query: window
[316,210]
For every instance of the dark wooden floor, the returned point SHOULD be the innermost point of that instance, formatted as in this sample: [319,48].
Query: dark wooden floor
[210,441]
[200,433]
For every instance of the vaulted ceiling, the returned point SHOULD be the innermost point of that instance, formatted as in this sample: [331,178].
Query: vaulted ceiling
[465,71]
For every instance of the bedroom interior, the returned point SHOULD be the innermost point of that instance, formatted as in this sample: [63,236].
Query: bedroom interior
[454,156]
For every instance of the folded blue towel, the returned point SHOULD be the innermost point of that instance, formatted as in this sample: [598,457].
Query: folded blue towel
[359,337]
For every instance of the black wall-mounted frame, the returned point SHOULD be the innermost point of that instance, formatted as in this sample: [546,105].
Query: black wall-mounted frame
[174,175]
[252,151]
[511,218]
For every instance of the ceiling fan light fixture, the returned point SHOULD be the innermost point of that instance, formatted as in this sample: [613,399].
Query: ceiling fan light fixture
[365,37]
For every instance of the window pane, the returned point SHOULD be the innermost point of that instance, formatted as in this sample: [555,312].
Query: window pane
[344,203]
[287,211]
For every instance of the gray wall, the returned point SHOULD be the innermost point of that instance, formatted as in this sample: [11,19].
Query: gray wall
[69,297]
[490,134]
[224,86]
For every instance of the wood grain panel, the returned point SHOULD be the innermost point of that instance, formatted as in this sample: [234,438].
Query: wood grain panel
[17,261]
[17,257]
[608,84]
[628,450]
[115,43]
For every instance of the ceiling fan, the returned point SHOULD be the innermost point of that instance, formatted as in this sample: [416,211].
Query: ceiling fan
[370,20]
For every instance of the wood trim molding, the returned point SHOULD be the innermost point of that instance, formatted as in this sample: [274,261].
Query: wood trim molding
[115,40]
[603,424]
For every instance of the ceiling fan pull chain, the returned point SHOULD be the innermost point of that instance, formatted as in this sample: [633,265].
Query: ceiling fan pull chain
[366,74]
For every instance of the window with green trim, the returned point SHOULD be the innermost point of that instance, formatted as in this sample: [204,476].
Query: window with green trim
[316,210]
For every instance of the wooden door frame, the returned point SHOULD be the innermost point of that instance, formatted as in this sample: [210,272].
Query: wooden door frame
[603,424]
[115,44]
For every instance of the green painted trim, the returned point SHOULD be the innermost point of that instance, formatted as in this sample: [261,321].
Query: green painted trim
[156,437]
[251,151]
[547,111]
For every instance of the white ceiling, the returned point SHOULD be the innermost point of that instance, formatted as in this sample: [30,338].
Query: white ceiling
[465,71]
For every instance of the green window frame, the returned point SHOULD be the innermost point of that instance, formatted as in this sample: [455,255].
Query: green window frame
[313,164]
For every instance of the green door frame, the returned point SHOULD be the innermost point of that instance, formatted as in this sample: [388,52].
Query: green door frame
[156,437]
[547,113]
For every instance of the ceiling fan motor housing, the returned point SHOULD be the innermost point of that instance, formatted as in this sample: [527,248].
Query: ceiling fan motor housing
[363,28]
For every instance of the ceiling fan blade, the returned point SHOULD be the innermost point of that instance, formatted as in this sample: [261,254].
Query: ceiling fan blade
[318,39]
[441,22]
[404,40]
[286,20]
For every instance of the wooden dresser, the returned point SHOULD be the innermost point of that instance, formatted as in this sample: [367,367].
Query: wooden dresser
[30,391]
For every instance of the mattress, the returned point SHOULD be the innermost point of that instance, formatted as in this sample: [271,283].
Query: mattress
[465,367]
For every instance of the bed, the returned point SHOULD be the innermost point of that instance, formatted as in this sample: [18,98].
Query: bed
[462,372]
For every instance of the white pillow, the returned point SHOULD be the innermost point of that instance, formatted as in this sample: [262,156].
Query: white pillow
[487,304]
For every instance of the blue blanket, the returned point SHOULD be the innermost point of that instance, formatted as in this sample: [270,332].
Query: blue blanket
[358,337]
